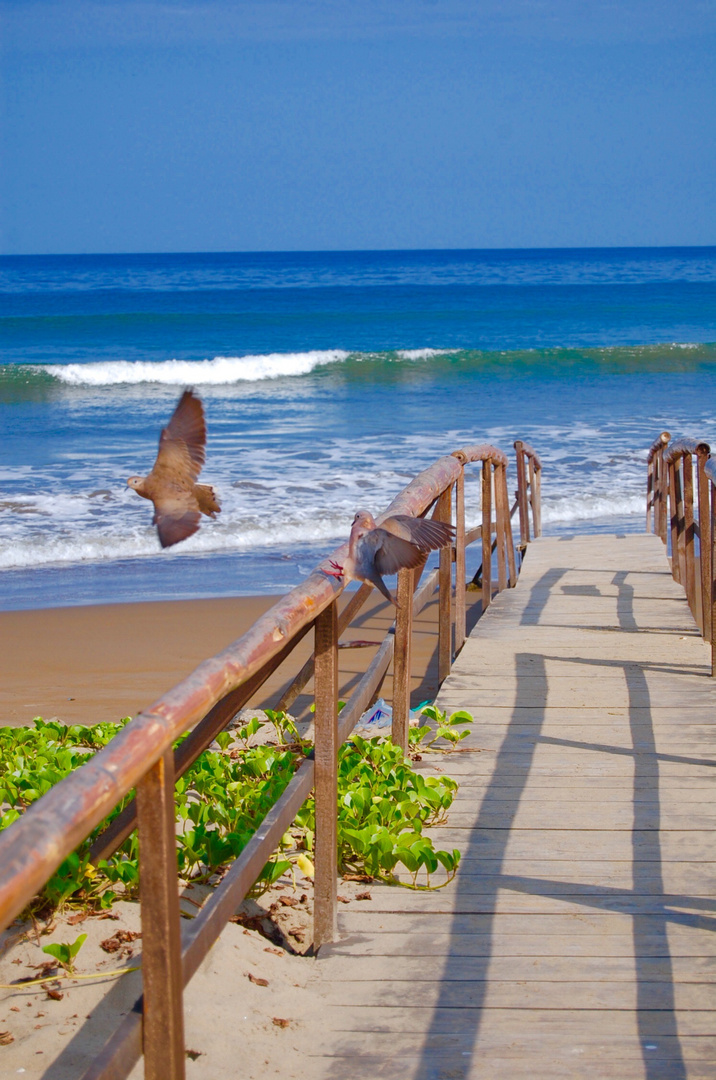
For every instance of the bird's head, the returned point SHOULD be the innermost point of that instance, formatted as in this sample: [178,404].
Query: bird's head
[363,522]
[135,482]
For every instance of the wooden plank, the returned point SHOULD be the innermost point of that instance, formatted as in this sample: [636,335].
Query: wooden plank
[522,994]
[478,1064]
[593,968]
[565,1022]
[502,901]
[680,941]
[672,845]
[589,921]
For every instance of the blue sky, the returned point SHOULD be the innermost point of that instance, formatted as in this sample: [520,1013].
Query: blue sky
[274,125]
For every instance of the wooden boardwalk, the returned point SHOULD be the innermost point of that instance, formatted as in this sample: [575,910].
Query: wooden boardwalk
[578,939]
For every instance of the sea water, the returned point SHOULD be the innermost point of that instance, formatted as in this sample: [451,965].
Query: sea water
[329,380]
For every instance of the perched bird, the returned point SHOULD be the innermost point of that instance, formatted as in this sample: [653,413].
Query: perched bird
[399,543]
[178,500]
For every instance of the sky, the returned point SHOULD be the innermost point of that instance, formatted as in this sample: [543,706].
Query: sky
[285,125]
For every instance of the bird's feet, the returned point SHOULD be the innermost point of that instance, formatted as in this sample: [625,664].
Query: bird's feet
[337,570]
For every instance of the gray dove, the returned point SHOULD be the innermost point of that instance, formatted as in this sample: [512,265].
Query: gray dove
[399,543]
[178,500]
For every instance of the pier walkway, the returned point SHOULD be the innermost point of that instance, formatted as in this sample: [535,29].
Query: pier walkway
[578,938]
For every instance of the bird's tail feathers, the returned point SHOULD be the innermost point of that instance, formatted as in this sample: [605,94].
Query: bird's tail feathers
[376,579]
[207,499]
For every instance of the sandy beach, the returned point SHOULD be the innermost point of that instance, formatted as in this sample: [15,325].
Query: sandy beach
[85,665]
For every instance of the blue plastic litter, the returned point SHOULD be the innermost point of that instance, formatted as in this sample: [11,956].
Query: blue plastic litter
[379,717]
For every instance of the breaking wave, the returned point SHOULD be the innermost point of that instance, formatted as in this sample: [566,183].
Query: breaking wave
[222,370]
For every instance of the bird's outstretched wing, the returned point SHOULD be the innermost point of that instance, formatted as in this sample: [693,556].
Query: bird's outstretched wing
[182,442]
[423,532]
[393,553]
[175,518]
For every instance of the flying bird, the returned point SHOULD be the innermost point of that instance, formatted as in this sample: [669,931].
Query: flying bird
[399,543]
[178,500]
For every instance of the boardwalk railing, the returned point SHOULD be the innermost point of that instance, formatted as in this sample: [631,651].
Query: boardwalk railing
[529,479]
[142,757]
[681,509]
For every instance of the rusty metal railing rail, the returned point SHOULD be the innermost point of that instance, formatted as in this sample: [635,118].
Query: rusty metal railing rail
[681,509]
[141,756]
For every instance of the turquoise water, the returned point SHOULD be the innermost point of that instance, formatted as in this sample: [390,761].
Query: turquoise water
[329,379]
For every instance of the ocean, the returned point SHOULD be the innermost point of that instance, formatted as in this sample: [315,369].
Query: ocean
[329,380]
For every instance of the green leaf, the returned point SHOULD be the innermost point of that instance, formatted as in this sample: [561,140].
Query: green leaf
[65,952]
[461,717]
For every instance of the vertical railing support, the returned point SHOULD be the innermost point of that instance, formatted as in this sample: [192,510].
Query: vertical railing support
[662,494]
[163,1020]
[680,531]
[505,499]
[502,517]
[687,464]
[443,512]
[705,539]
[460,572]
[650,499]
[487,534]
[536,497]
[712,597]
[672,469]
[522,504]
[656,487]
[326,776]
[402,663]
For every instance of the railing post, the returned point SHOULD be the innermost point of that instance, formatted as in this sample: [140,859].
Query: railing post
[673,520]
[662,491]
[656,488]
[326,776]
[712,597]
[402,659]
[522,495]
[536,498]
[680,531]
[650,470]
[511,562]
[486,534]
[163,1020]
[443,512]
[705,539]
[689,559]
[460,572]
[502,514]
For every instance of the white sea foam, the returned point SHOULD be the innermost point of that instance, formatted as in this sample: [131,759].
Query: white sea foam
[83,544]
[421,354]
[221,371]
[591,507]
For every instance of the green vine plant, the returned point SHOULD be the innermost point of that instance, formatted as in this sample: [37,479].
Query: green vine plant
[445,728]
[384,806]
[65,952]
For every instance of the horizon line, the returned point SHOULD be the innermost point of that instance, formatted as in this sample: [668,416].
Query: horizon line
[355,251]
